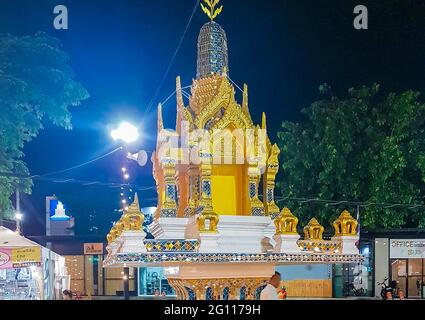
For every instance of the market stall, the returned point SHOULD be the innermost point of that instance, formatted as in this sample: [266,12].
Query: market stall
[29,271]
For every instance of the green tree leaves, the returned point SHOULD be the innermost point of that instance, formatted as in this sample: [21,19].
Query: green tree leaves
[36,83]
[364,147]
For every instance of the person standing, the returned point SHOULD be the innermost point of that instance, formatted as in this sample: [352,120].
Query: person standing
[67,295]
[270,290]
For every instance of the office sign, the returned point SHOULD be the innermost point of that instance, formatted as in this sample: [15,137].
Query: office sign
[407,248]
[93,248]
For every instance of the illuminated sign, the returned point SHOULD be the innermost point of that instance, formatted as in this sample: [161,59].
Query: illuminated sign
[20,257]
[57,211]
[407,248]
[93,248]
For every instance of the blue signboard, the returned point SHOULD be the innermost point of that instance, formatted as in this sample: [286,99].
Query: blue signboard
[58,211]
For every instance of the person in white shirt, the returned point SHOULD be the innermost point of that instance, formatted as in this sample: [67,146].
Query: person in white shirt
[270,291]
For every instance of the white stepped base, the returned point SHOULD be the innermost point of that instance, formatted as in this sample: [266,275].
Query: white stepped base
[133,241]
[348,244]
[287,243]
[209,242]
[169,228]
[242,234]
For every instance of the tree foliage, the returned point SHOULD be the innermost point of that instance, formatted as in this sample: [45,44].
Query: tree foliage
[364,147]
[36,83]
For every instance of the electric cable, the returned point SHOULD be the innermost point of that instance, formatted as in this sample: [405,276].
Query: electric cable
[173,58]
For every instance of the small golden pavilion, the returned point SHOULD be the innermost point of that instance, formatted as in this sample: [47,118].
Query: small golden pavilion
[213,190]
[212,228]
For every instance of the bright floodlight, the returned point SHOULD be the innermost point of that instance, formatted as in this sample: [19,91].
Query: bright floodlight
[18,216]
[125,132]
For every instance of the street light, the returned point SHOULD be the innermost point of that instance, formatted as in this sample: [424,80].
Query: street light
[18,218]
[125,132]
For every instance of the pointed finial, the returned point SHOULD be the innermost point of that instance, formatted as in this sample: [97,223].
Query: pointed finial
[224,73]
[160,121]
[135,206]
[211,11]
[245,98]
[180,104]
[264,122]
[179,93]
[136,200]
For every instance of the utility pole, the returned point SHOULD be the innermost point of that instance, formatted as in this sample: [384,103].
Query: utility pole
[358,219]
[18,215]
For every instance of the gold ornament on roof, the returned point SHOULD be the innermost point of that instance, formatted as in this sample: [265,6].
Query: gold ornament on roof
[345,225]
[313,230]
[119,226]
[113,234]
[133,218]
[211,11]
[286,222]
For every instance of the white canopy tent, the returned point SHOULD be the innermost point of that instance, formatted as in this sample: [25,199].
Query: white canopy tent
[29,270]
[11,239]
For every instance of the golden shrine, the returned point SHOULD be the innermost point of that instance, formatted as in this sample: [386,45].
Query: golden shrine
[212,230]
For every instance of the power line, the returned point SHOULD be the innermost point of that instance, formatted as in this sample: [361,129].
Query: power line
[173,58]
[77,166]
[76,181]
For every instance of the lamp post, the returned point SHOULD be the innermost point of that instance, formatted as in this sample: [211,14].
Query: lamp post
[18,214]
[127,133]
[126,283]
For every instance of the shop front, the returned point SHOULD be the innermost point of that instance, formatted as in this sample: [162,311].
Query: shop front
[400,256]
[154,284]
[407,259]
[27,270]
[355,280]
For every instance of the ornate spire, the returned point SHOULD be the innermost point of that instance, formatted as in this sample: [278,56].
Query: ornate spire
[133,218]
[211,10]
[135,205]
[212,43]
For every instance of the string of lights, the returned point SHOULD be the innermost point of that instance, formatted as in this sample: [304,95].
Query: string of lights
[80,182]
[133,187]
[125,190]
[362,204]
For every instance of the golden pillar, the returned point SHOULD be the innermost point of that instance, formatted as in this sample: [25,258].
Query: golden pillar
[272,168]
[193,190]
[257,207]
[205,205]
[169,208]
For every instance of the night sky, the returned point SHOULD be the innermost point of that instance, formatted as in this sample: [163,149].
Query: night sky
[120,50]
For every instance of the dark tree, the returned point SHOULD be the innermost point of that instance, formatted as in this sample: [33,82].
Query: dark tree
[363,147]
[36,84]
